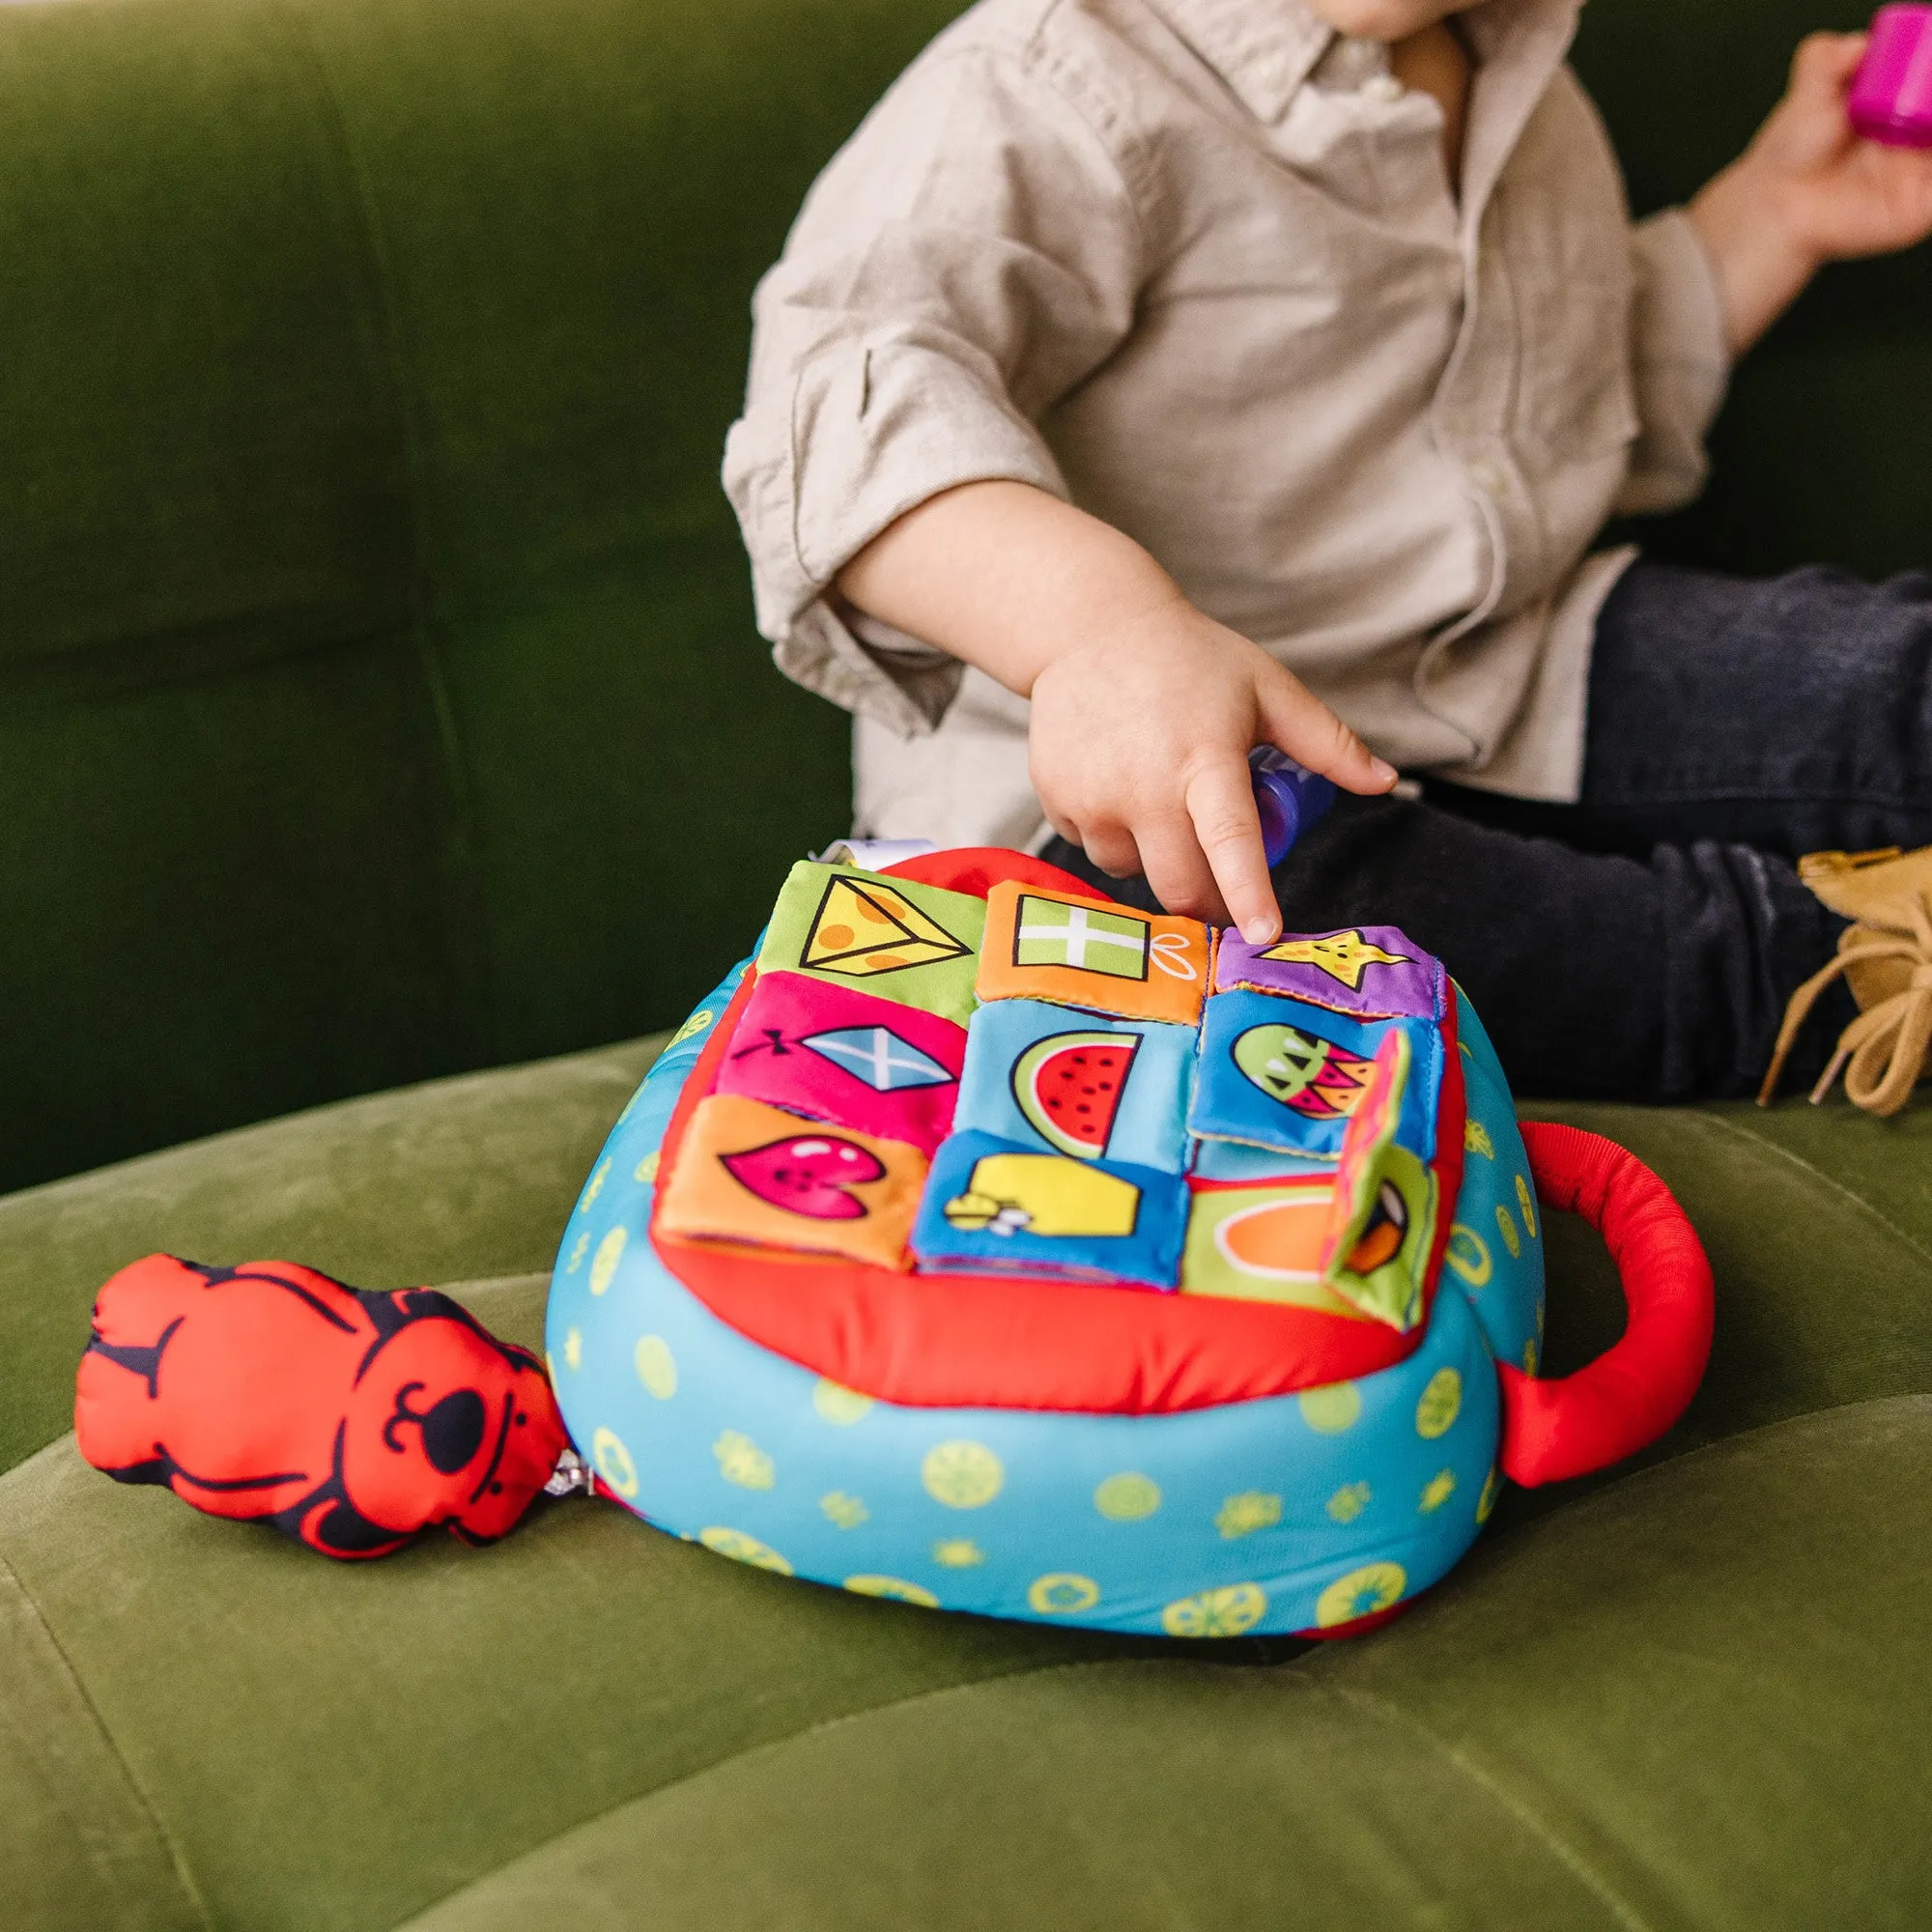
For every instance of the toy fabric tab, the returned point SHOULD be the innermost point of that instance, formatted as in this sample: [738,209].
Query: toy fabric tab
[991,1204]
[1078,952]
[1357,1242]
[844,1057]
[1383,1216]
[1097,1089]
[1277,1073]
[914,944]
[749,1173]
[1373,972]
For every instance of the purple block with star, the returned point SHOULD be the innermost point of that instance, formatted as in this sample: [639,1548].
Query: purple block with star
[1373,972]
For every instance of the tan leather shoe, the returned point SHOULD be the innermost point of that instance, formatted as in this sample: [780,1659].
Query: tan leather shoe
[1886,956]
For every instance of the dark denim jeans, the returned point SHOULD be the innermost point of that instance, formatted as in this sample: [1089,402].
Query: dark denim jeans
[1640,943]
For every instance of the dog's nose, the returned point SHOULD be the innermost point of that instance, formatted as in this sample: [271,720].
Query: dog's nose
[452,1432]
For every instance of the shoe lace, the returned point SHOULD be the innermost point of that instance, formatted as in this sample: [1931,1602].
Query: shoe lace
[1882,1052]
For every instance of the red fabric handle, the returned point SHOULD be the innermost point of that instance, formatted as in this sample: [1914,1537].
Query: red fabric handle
[1632,1393]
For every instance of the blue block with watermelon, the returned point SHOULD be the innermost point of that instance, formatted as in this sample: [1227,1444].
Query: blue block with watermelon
[1052,1080]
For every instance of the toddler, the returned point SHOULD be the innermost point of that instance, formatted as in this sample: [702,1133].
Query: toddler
[1147,380]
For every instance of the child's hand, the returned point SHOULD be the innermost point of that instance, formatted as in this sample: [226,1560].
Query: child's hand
[1809,190]
[1144,710]
[1140,744]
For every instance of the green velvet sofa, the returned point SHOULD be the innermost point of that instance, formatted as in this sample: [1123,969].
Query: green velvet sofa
[375,662]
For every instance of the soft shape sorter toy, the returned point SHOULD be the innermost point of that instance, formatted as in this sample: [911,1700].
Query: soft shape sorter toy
[988,1245]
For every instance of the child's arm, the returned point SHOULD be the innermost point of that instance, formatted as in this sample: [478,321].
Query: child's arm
[1806,191]
[1144,710]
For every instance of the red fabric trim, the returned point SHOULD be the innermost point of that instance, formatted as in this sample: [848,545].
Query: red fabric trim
[999,1342]
[976,869]
[1007,1342]
[1633,1392]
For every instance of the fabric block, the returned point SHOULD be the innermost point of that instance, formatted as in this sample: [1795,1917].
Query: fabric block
[1373,971]
[1094,1087]
[1280,1074]
[1356,1242]
[834,1054]
[1264,1243]
[1076,951]
[993,1206]
[1382,1217]
[909,944]
[751,1172]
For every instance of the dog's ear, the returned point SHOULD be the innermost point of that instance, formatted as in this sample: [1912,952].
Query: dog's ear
[331,1525]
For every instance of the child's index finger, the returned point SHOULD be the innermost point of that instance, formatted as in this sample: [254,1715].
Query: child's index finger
[1221,804]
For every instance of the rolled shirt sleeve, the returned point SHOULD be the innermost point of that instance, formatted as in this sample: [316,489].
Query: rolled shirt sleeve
[971,254]
[1682,364]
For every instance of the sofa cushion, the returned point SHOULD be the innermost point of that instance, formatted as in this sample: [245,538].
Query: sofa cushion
[1648,1710]
[468,1176]
[1694,1699]
[1615,1713]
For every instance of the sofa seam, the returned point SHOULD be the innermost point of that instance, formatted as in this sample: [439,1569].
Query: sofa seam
[1572,1860]
[1836,1186]
[177,1858]
[818,1728]
[1567,1855]
[458,833]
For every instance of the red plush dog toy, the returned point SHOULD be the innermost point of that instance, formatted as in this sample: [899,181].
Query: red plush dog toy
[348,1420]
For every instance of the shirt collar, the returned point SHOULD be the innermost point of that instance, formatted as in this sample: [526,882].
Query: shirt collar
[1266,49]
[1263,49]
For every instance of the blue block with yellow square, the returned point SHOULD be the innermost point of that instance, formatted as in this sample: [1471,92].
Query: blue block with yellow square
[991,1205]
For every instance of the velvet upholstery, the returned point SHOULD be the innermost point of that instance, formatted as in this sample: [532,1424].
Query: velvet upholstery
[1689,1693]
[375,655]
[377,643]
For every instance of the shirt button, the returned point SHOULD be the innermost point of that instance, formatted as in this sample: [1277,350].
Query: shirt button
[1487,478]
[1384,87]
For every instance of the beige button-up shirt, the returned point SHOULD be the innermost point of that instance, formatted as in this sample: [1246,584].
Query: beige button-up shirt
[1195,266]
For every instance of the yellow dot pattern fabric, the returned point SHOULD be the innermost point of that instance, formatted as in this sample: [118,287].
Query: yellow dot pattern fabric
[743,1549]
[1062,1594]
[1291,1513]
[1127,1497]
[962,1475]
[657,1366]
[1350,1501]
[741,1461]
[1440,1405]
[839,1407]
[1376,1586]
[1230,1611]
[613,1463]
[896,1588]
[1244,1514]
[843,1510]
[603,1265]
[1330,1410]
